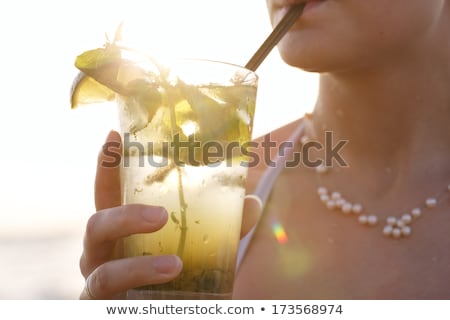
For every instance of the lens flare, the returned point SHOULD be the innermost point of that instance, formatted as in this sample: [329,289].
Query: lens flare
[279,233]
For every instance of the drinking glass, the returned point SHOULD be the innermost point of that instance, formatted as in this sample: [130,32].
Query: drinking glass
[186,130]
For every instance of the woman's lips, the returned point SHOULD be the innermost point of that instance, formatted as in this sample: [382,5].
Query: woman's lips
[310,5]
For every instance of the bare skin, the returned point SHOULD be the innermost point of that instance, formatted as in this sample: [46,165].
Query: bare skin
[385,74]
[331,256]
[395,113]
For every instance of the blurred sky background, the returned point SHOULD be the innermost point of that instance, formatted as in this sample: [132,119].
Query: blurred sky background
[49,151]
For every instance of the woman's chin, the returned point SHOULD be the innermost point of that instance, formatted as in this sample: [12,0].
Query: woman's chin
[297,51]
[319,57]
[300,59]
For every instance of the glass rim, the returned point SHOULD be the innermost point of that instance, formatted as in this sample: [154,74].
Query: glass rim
[218,62]
[167,61]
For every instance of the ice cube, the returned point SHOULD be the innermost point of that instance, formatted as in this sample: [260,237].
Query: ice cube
[136,115]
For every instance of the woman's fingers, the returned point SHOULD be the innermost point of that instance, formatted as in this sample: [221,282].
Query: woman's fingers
[109,277]
[115,277]
[107,180]
[107,183]
[106,276]
[107,226]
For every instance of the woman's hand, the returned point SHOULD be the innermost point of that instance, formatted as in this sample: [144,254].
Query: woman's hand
[108,274]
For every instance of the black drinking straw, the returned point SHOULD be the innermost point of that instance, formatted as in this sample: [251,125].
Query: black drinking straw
[282,27]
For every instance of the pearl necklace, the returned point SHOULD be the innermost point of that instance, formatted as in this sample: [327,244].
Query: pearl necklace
[394,227]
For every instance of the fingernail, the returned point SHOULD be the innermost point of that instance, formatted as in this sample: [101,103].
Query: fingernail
[111,146]
[112,135]
[154,214]
[109,136]
[167,264]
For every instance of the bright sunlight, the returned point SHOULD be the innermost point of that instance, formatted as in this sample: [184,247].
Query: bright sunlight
[49,151]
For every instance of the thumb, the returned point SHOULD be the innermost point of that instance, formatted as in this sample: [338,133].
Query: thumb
[107,179]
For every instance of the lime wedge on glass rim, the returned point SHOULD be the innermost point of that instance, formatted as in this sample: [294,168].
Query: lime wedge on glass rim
[96,81]
[86,90]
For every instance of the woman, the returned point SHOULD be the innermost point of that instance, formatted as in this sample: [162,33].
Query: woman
[373,226]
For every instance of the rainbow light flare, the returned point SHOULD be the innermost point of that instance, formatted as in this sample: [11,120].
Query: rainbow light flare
[279,233]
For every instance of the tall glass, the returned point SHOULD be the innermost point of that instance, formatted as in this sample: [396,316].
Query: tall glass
[185,139]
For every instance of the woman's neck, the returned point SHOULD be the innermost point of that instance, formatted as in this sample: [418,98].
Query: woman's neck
[396,112]
[397,131]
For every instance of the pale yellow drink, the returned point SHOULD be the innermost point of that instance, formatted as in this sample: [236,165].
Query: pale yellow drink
[201,186]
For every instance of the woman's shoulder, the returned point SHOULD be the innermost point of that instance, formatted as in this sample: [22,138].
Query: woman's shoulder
[272,141]
[282,132]
[266,147]
[268,143]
